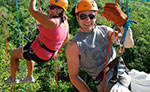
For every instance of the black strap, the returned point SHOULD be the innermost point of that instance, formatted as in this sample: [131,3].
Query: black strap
[42,45]
[113,64]
[47,49]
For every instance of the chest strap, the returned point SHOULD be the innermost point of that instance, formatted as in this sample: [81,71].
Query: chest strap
[43,46]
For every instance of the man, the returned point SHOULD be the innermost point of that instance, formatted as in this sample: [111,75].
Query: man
[88,48]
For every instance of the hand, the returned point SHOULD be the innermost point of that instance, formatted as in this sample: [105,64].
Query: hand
[113,13]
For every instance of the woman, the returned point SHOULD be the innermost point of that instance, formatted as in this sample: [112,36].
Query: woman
[52,37]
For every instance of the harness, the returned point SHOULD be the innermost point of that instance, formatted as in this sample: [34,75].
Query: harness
[30,52]
[43,46]
[113,65]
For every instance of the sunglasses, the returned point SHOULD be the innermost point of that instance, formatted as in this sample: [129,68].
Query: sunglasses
[84,16]
[52,7]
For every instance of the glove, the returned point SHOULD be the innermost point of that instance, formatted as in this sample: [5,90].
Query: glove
[113,13]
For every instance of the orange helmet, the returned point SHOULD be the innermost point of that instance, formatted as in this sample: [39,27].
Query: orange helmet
[84,5]
[60,3]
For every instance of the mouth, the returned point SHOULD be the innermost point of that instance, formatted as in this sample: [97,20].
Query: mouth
[50,14]
[87,24]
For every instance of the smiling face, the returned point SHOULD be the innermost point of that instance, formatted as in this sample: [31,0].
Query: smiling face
[86,20]
[53,10]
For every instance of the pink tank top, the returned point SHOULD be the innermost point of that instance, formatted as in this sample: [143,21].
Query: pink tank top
[52,39]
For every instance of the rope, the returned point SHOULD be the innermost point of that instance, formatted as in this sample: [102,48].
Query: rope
[39,4]
[106,62]
[19,41]
[115,1]
[6,48]
[6,42]
[56,74]
[14,28]
[102,88]
[39,8]
[127,24]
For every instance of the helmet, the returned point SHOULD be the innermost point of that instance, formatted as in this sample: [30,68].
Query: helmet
[60,3]
[84,5]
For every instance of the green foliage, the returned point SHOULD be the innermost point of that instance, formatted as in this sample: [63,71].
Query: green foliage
[137,57]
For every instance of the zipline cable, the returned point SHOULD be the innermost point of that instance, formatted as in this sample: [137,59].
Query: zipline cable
[14,28]
[20,42]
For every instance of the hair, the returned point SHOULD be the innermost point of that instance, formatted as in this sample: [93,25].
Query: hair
[62,14]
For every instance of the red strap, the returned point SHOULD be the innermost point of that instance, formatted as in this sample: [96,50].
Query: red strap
[39,8]
[38,4]
[115,1]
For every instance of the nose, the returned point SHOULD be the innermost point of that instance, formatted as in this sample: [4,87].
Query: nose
[87,18]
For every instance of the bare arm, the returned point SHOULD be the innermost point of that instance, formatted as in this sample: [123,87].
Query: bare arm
[72,53]
[129,42]
[65,41]
[45,20]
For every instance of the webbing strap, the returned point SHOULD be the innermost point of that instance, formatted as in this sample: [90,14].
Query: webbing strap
[42,45]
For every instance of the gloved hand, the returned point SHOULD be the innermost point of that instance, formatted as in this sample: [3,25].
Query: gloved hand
[113,13]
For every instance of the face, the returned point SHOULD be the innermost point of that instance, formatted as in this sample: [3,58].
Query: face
[86,20]
[52,10]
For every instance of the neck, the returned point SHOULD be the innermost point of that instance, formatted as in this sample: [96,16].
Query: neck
[85,30]
[82,29]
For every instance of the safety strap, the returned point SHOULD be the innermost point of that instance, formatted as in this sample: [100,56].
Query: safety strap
[113,64]
[42,45]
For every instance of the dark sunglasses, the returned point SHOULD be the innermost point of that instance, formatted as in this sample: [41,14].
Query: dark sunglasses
[84,16]
[52,7]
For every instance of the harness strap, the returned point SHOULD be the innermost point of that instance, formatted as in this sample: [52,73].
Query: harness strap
[113,64]
[42,45]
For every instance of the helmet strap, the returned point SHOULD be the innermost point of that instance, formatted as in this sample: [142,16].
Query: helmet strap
[56,11]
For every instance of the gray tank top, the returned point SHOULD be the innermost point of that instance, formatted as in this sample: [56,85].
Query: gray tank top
[93,49]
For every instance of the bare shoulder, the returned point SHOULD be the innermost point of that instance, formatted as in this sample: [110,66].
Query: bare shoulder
[51,24]
[64,24]
[72,48]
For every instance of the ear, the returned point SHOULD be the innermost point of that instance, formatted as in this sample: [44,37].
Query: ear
[77,17]
[60,10]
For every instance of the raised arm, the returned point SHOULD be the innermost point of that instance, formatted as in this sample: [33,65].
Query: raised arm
[45,20]
[72,53]
[129,42]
